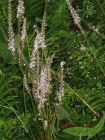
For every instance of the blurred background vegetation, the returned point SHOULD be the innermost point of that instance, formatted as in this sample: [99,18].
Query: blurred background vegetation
[84,72]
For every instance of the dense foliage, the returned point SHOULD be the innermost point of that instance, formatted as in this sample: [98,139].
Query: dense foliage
[84,71]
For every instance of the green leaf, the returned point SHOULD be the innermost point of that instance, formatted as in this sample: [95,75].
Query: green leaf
[82,131]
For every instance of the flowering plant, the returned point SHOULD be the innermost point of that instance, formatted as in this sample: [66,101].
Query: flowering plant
[37,70]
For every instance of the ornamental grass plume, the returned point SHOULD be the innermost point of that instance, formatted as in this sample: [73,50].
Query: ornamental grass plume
[44,23]
[45,79]
[41,74]
[42,85]
[75,15]
[23,33]
[11,41]
[39,41]
[20,9]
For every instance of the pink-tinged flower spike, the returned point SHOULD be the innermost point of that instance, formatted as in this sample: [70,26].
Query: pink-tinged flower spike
[33,59]
[38,43]
[11,42]
[45,78]
[75,15]
[39,40]
[60,92]
[20,9]
[43,27]
[41,86]
[23,32]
